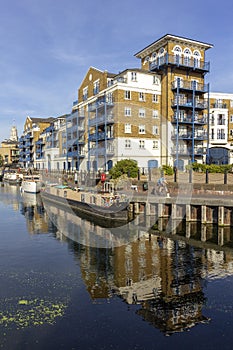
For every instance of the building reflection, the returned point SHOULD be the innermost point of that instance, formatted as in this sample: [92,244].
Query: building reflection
[32,208]
[10,195]
[163,274]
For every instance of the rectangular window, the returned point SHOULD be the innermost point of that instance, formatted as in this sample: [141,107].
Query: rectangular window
[110,97]
[141,96]
[127,143]
[133,76]
[155,130]
[85,93]
[141,113]
[155,98]
[231,103]
[155,80]
[128,128]
[155,144]
[141,129]
[155,113]
[127,95]
[141,144]
[231,132]
[127,111]
[96,87]
[231,118]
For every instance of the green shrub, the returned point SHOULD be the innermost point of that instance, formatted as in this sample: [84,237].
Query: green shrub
[167,170]
[212,168]
[124,166]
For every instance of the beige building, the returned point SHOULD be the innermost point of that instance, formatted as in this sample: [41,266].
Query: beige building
[181,64]
[9,149]
[33,127]
[156,114]
[117,116]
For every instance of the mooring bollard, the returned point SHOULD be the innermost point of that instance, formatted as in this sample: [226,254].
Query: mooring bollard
[207,176]
[225,177]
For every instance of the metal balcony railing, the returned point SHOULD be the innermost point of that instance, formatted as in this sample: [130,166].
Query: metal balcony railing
[188,103]
[190,86]
[101,120]
[189,120]
[179,61]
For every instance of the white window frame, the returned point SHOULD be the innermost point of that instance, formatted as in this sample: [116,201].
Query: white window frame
[155,144]
[141,129]
[155,98]
[155,113]
[141,112]
[133,76]
[128,111]
[127,95]
[155,130]
[128,129]
[142,96]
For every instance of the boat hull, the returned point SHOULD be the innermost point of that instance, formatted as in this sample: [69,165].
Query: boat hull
[31,186]
[113,216]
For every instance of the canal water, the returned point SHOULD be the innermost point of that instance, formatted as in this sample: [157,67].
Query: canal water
[66,283]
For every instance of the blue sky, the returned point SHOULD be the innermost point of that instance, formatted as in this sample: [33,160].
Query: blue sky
[47,47]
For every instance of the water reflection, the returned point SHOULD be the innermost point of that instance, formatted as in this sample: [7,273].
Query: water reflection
[86,232]
[164,275]
[32,208]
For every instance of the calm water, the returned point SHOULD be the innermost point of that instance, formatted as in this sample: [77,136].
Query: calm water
[69,284]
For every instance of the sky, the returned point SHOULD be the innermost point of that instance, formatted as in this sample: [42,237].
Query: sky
[47,47]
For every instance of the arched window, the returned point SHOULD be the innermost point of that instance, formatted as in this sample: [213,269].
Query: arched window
[187,57]
[162,51]
[196,58]
[154,55]
[177,54]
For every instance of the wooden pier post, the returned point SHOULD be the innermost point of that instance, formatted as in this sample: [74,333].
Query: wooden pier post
[203,214]
[160,210]
[221,236]
[203,233]
[188,212]
[221,216]
[174,214]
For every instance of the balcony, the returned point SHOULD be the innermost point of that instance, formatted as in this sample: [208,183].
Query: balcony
[187,151]
[188,120]
[101,102]
[188,136]
[189,103]
[181,62]
[75,154]
[190,86]
[102,151]
[100,136]
[218,105]
[109,119]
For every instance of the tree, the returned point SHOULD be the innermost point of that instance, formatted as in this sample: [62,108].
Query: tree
[124,166]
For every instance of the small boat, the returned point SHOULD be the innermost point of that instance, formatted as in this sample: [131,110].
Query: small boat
[31,183]
[112,209]
[12,177]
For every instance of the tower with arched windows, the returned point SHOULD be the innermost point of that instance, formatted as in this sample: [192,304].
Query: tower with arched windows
[181,64]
